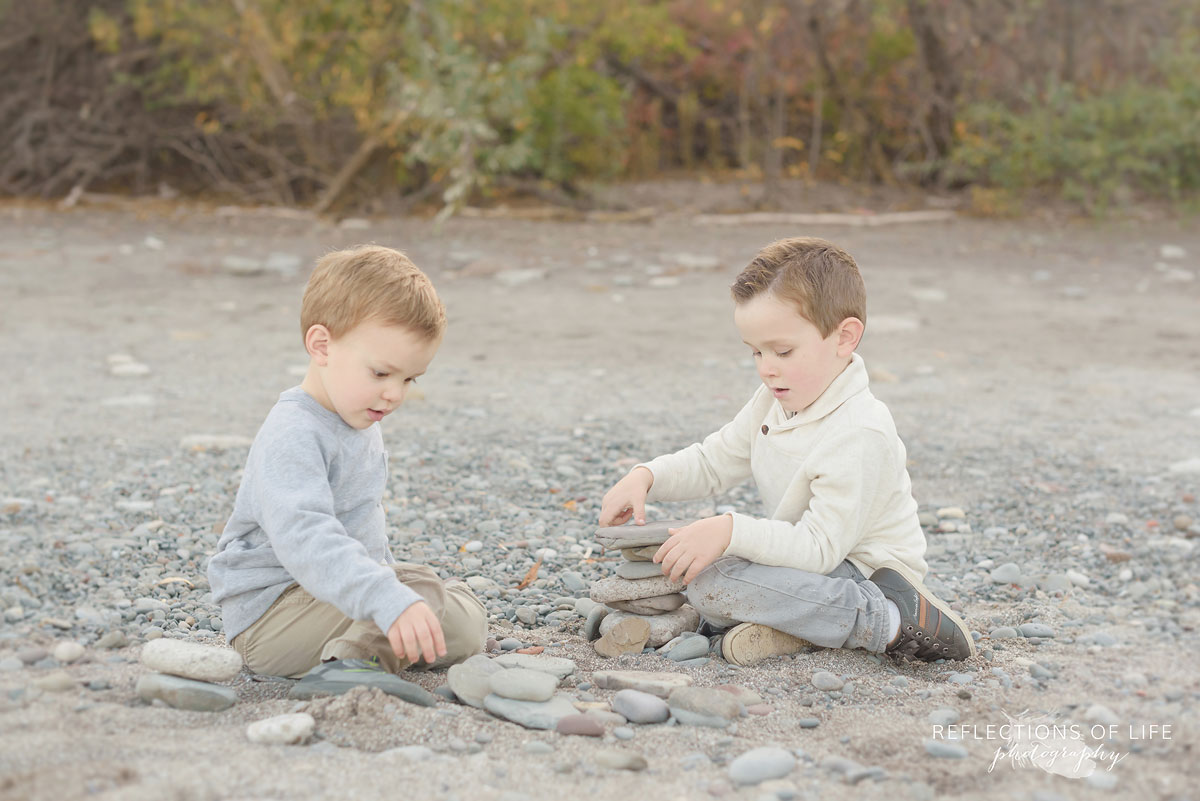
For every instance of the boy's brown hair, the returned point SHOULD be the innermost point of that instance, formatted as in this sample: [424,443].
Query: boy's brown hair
[820,278]
[370,282]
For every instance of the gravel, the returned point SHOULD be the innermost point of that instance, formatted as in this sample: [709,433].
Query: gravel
[113,490]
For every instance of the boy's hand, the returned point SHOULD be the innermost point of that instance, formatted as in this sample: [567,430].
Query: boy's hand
[417,632]
[694,547]
[627,498]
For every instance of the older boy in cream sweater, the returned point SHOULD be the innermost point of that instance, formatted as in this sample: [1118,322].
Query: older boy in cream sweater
[832,474]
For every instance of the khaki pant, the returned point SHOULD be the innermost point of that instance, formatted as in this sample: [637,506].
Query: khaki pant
[298,632]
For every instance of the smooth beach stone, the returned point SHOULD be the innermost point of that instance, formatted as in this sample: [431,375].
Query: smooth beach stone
[635,536]
[642,554]
[620,760]
[1003,633]
[945,750]
[584,725]
[282,729]
[197,696]
[639,570]
[657,605]
[625,636]
[411,753]
[663,628]
[591,626]
[640,707]
[615,588]
[67,652]
[824,680]
[523,684]
[530,714]
[556,666]
[57,682]
[761,764]
[745,696]
[1035,630]
[191,660]
[660,684]
[472,680]
[708,702]
[688,648]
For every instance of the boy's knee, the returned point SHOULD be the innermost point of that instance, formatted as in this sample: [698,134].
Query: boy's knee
[464,624]
[704,593]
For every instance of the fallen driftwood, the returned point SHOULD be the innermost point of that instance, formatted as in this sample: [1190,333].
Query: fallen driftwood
[862,220]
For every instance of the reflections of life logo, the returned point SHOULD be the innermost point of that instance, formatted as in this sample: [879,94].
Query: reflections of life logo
[1035,740]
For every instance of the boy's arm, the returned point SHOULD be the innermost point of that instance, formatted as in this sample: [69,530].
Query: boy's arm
[844,491]
[296,510]
[710,467]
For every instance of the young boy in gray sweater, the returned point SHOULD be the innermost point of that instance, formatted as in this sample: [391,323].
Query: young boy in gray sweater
[303,573]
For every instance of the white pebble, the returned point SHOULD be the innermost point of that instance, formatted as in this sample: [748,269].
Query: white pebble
[282,729]
[68,652]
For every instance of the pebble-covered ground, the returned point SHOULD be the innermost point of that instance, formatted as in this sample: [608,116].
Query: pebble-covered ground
[1045,379]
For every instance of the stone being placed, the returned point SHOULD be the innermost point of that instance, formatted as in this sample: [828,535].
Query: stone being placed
[663,628]
[554,665]
[523,684]
[634,536]
[471,680]
[643,554]
[615,588]
[639,570]
[191,660]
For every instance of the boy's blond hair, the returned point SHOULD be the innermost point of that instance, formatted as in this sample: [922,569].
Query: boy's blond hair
[370,282]
[818,277]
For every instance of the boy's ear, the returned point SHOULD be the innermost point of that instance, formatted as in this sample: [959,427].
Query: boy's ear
[849,332]
[316,342]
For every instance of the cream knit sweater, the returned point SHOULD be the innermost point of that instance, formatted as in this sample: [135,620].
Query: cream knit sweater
[832,477]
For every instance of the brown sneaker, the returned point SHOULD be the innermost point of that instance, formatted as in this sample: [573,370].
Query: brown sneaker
[928,629]
[750,643]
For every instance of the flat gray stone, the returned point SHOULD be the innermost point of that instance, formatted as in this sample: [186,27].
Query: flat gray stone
[197,696]
[1004,633]
[761,764]
[640,707]
[523,684]
[282,729]
[634,536]
[554,665]
[660,684]
[639,570]
[615,588]
[943,716]
[471,680]
[531,714]
[945,750]
[1007,573]
[1035,630]
[626,636]
[706,701]
[191,660]
[663,628]
[688,648]
[657,605]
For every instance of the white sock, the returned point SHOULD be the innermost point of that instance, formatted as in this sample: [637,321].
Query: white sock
[893,619]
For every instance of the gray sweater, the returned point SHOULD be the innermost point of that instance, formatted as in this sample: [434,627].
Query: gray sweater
[309,510]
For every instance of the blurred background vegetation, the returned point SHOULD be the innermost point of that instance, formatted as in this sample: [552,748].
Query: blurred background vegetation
[336,103]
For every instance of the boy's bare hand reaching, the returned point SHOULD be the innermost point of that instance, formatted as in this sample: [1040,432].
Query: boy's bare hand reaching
[627,498]
[694,547]
[417,633]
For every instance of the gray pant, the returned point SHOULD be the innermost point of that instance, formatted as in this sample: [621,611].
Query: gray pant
[840,610]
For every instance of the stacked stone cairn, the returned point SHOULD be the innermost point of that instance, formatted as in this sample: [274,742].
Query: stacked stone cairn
[186,675]
[642,607]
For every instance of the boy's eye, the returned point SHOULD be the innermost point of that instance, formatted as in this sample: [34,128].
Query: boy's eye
[379,374]
[784,353]
[757,354]
[410,381]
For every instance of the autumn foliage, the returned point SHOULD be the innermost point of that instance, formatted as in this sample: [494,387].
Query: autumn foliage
[334,102]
